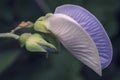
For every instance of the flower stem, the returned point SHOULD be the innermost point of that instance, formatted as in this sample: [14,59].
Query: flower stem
[9,35]
[23,24]
[15,29]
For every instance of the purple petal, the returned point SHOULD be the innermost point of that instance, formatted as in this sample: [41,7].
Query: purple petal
[94,28]
[75,39]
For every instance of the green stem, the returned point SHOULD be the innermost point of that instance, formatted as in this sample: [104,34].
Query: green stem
[19,27]
[15,29]
[9,35]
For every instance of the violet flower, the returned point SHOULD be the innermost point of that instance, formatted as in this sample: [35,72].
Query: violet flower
[75,39]
[81,34]
[93,27]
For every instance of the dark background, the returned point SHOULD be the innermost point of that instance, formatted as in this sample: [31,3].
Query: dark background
[18,64]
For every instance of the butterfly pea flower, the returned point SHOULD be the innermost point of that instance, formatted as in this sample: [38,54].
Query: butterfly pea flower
[81,34]
[35,43]
[93,27]
[75,39]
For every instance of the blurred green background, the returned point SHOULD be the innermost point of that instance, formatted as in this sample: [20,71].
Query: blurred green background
[18,64]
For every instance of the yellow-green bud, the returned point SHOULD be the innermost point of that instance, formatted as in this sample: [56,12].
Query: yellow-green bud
[48,15]
[40,26]
[42,18]
[23,38]
[30,26]
[35,43]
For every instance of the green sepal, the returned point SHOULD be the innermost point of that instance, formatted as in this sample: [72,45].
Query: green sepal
[35,43]
[40,26]
[30,26]
[23,38]
[51,38]
[48,15]
[43,18]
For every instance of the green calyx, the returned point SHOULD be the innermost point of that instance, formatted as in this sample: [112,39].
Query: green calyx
[32,44]
[40,24]
[23,38]
[30,26]
[44,17]
[35,43]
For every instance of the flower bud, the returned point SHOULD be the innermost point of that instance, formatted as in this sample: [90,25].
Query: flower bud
[35,43]
[44,17]
[23,38]
[39,26]
[48,15]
